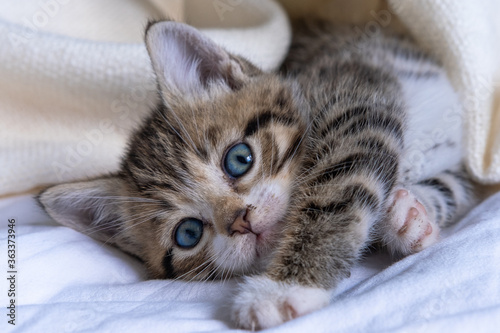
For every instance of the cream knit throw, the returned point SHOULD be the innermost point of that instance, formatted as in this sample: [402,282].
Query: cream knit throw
[465,35]
[67,105]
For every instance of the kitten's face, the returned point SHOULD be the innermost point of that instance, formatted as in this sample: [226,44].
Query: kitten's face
[204,188]
[224,172]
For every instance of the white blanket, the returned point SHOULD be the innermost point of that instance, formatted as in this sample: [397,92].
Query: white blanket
[58,95]
[67,282]
[75,78]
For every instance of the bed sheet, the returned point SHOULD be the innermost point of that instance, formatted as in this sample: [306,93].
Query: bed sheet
[67,282]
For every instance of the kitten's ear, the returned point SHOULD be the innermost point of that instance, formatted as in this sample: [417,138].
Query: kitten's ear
[89,207]
[189,65]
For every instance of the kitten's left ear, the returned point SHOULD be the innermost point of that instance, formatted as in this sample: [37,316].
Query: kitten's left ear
[190,66]
[91,207]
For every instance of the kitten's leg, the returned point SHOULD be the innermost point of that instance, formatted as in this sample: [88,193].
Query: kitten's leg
[323,240]
[417,212]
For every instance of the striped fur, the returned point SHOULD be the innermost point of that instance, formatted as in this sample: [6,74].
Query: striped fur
[329,139]
[357,142]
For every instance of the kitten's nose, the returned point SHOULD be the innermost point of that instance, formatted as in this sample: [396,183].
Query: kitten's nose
[240,223]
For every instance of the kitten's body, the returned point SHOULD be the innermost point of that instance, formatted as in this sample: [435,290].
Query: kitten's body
[431,106]
[383,97]
[331,153]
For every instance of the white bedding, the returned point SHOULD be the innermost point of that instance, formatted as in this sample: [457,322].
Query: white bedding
[67,282]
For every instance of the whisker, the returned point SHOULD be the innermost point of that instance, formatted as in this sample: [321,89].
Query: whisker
[109,224]
[122,231]
[206,262]
[272,147]
[110,197]
[215,270]
[182,127]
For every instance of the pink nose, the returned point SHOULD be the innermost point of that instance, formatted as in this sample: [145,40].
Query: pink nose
[240,224]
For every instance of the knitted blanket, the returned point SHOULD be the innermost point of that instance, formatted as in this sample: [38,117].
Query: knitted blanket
[71,92]
[465,35]
[69,102]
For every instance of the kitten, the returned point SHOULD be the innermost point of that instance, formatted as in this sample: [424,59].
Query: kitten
[284,178]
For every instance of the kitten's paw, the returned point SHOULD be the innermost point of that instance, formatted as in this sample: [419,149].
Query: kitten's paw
[409,229]
[262,303]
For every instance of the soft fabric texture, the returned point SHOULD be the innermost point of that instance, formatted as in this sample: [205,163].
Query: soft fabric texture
[67,282]
[71,91]
[465,36]
[68,104]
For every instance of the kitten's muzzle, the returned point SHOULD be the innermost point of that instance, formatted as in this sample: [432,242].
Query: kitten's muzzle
[240,224]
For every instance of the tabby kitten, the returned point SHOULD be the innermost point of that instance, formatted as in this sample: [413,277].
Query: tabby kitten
[284,178]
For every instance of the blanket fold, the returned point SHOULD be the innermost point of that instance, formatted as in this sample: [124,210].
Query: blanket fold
[68,104]
[69,101]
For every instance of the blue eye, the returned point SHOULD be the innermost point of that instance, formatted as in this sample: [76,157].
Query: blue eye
[188,233]
[238,160]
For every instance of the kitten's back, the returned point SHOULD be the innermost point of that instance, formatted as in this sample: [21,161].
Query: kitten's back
[325,57]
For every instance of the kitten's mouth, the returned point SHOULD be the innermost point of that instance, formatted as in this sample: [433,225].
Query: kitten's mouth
[263,238]
[266,240]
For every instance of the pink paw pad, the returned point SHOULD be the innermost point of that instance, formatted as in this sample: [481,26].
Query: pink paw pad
[409,229]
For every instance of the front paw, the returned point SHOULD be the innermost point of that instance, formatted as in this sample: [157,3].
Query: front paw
[262,303]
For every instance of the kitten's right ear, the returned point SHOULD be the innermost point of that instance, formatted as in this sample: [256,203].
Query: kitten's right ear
[189,65]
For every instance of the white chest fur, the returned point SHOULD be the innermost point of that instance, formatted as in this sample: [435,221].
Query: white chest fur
[433,138]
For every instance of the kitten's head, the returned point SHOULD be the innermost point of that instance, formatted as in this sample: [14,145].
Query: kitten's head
[205,186]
